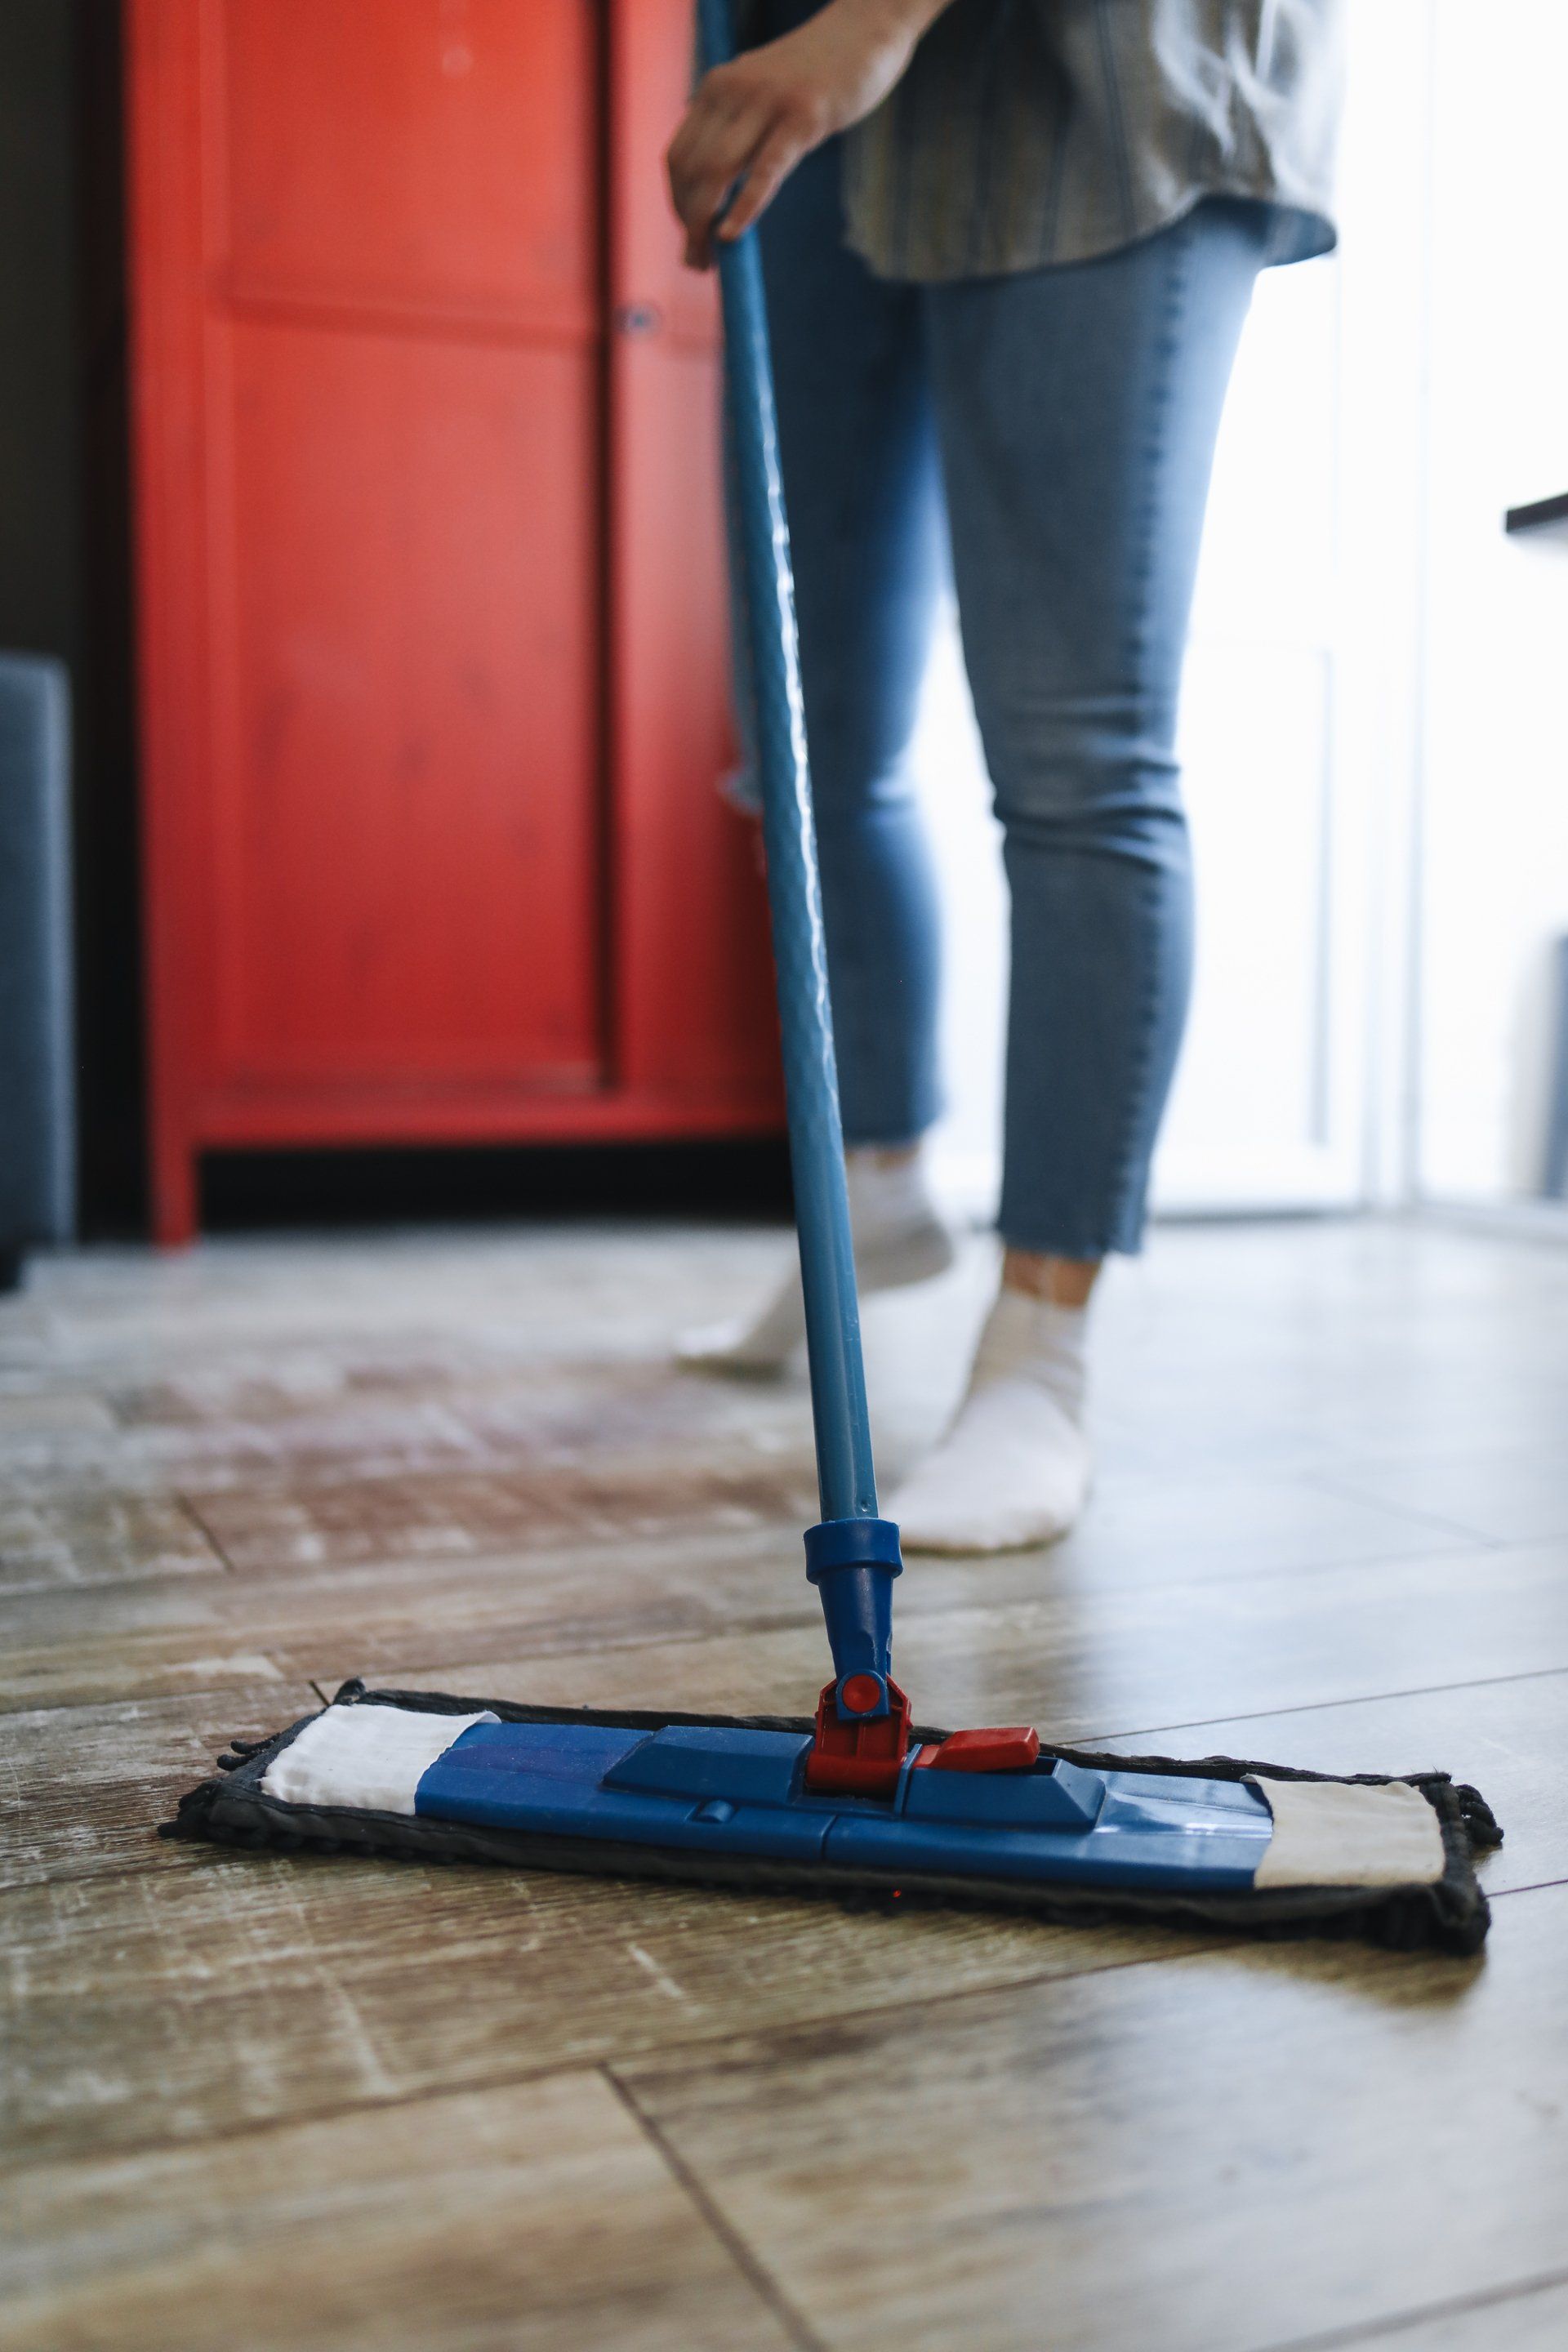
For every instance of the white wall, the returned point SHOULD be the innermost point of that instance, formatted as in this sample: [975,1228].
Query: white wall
[1494,849]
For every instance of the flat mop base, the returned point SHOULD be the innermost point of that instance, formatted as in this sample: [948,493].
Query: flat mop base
[1214,1824]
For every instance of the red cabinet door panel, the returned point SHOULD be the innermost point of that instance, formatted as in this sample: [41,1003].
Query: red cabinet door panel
[401,448]
[406,820]
[431,154]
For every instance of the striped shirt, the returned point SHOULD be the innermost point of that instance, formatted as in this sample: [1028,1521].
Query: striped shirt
[1031,132]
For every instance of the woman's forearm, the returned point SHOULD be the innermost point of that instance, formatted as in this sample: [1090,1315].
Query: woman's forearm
[749,121]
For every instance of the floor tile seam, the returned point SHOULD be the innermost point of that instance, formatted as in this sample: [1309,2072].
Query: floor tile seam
[1319,1705]
[155,1698]
[378,1677]
[1348,1562]
[182,1502]
[736,2246]
[1372,2332]
[194,1694]
[120,1580]
[654,2057]
[497,1564]
[260,2126]
[1343,1489]
[163,1698]
[603,1550]
[260,1621]
[493,1375]
[1484,1538]
[494,1457]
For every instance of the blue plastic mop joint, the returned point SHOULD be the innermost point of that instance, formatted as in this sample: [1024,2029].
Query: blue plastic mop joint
[852,1563]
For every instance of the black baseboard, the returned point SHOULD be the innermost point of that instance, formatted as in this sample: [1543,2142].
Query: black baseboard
[245,1191]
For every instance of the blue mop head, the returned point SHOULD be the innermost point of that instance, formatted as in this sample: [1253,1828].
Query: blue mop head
[977,1818]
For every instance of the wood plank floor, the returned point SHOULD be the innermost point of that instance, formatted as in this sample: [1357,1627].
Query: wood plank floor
[307,2103]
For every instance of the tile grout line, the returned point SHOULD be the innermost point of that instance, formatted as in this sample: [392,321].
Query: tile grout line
[259,2126]
[49,1587]
[1373,2331]
[163,1697]
[1321,1706]
[750,2264]
[206,1533]
[1320,1482]
[609,1547]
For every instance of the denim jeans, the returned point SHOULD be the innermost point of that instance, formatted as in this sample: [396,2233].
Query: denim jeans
[1062,422]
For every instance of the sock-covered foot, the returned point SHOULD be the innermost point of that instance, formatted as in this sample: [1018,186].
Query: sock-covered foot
[899,1239]
[1015,1468]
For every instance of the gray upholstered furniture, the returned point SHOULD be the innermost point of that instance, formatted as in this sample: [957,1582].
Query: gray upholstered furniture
[37,1111]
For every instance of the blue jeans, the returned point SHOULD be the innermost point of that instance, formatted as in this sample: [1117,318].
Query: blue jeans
[1064,420]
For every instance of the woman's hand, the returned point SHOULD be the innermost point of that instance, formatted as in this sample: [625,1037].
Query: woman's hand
[752,120]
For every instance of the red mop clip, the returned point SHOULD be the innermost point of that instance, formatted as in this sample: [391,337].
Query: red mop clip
[1010,1749]
[859,1758]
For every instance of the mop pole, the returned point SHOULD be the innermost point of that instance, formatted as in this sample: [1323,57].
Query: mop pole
[853,1555]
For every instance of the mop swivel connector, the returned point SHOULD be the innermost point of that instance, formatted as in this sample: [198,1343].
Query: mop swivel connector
[852,1563]
[862,1718]
[858,1756]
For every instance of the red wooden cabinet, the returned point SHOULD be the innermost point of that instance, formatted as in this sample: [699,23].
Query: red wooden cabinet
[430,586]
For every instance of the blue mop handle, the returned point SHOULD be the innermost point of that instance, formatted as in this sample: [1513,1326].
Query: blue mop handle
[857,1604]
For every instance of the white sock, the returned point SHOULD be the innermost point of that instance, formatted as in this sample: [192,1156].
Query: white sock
[1014,1469]
[899,1238]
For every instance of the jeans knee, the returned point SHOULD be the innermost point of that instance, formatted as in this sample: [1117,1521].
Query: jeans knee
[856,786]
[1127,821]
[1100,777]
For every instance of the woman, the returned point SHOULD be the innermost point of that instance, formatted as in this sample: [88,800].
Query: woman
[1008,247]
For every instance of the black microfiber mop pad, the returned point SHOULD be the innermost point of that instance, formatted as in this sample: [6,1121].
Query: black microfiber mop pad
[1450,1914]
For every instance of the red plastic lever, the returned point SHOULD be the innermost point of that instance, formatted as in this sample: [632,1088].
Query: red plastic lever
[1011,1749]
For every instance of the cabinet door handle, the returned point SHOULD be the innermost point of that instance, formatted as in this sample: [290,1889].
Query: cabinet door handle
[638,318]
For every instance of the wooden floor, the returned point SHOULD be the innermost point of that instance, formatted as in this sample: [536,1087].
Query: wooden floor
[263,2103]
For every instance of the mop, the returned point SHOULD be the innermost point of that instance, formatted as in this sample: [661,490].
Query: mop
[857,1801]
